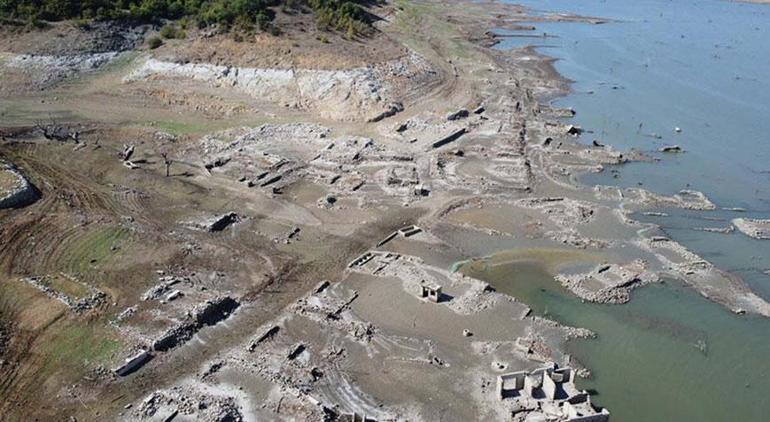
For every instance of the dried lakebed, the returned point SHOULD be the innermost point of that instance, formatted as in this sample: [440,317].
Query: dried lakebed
[296,261]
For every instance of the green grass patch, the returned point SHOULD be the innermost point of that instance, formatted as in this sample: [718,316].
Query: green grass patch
[15,114]
[93,250]
[430,16]
[181,128]
[71,288]
[78,347]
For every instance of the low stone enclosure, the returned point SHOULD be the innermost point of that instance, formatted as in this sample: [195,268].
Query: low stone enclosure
[407,231]
[205,314]
[549,392]
[75,294]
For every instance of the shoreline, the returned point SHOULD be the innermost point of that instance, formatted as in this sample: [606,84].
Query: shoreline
[323,206]
[564,90]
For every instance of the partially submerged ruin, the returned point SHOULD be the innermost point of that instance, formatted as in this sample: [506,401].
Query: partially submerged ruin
[548,393]
[752,227]
[299,267]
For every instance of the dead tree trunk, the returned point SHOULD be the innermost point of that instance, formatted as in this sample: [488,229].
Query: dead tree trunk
[128,151]
[56,132]
[166,162]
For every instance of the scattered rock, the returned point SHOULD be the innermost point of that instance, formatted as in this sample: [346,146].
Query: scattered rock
[670,148]
[457,115]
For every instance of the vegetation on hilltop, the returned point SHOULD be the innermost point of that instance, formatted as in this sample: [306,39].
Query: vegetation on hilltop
[341,15]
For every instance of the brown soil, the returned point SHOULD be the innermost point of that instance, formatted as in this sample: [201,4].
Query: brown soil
[300,44]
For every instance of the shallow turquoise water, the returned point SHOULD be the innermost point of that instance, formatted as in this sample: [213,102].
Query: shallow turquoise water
[702,66]
[698,65]
[668,355]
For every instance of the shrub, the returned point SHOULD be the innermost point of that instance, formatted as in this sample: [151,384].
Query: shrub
[154,42]
[168,32]
[338,15]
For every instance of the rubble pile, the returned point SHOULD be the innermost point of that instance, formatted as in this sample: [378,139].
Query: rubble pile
[187,401]
[205,314]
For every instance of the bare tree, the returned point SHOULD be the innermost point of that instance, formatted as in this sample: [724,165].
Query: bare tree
[56,132]
[166,161]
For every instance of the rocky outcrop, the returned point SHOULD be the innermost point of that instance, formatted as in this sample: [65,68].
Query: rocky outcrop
[45,71]
[21,194]
[349,94]
[391,110]
[450,138]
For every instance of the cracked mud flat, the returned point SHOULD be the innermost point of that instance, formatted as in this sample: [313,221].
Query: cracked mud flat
[317,181]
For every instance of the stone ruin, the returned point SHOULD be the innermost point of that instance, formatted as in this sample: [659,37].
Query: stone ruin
[430,291]
[547,393]
[205,314]
[163,288]
[407,231]
[93,299]
[356,417]
[134,363]
[373,262]
[186,403]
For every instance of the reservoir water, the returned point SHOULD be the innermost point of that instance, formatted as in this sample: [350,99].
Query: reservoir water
[667,355]
[701,66]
